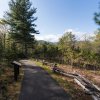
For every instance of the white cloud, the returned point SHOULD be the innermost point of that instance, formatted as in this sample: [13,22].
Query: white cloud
[49,37]
[75,32]
[80,35]
[55,37]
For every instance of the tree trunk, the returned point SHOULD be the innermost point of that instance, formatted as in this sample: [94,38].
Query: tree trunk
[26,50]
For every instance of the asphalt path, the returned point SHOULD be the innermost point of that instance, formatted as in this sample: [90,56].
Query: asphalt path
[37,84]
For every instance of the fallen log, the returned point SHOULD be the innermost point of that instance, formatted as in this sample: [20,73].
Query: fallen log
[85,84]
[83,87]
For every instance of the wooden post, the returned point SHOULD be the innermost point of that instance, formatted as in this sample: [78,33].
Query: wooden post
[16,72]
[16,69]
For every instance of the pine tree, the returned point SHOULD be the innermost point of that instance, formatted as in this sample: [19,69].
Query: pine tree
[21,22]
[97,17]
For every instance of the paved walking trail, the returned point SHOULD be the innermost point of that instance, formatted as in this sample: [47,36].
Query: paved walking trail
[39,85]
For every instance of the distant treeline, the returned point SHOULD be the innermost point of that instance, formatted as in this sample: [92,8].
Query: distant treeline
[83,53]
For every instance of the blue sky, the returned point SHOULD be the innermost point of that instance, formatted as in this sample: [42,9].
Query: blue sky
[57,16]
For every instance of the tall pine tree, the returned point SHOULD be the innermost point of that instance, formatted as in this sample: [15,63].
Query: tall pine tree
[21,21]
[97,16]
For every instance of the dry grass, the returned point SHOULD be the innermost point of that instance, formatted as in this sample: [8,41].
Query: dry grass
[93,76]
[11,89]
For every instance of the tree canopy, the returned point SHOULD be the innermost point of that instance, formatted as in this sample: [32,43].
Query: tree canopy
[21,22]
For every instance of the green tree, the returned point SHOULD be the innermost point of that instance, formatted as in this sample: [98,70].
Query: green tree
[21,22]
[97,17]
[3,33]
[67,45]
[96,49]
[86,50]
[97,37]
